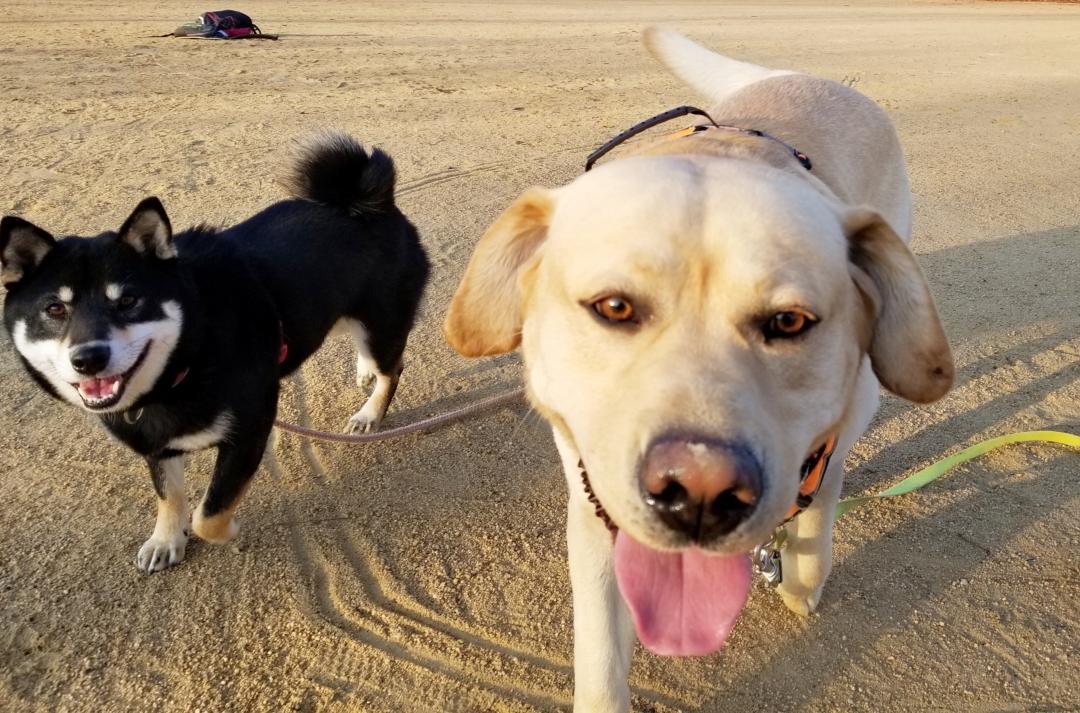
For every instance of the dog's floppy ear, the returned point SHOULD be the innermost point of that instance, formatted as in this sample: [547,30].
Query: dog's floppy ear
[907,345]
[485,314]
[148,230]
[23,246]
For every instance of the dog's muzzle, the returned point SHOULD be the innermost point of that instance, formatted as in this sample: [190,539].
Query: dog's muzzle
[90,358]
[703,489]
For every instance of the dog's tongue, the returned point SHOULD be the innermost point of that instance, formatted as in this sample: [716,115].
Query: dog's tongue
[684,603]
[97,389]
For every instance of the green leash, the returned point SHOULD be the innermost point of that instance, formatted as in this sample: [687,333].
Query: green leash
[767,556]
[936,470]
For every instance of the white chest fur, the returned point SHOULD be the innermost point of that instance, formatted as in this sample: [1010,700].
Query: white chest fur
[215,433]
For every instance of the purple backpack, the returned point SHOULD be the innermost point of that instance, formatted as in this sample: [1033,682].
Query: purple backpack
[229,23]
[222,24]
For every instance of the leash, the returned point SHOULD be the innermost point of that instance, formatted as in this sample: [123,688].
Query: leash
[425,424]
[934,471]
[767,556]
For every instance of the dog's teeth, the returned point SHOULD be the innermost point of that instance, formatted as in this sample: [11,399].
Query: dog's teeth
[95,390]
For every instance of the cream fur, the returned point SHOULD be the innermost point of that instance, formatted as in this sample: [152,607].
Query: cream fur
[707,236]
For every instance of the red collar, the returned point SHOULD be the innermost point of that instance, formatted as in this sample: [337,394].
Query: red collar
[283,352]
[283,346]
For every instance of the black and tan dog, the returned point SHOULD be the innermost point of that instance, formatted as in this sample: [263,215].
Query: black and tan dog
[178,342]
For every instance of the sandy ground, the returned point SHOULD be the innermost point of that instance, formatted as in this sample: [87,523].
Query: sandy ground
[428,574]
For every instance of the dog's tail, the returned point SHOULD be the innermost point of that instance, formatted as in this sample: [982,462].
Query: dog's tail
[333,168]
[711,74]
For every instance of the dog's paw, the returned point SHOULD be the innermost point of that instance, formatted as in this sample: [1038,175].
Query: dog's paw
[799,601]
[216,529]
[362,422]
[158,553]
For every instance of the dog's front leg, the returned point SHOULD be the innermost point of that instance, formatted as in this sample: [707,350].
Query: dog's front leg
[806,559]
[603,629]
[236,464]
[167,545]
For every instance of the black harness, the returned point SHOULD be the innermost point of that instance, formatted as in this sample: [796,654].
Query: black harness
[675,113]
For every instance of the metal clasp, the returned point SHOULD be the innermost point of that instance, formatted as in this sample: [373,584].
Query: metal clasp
[766,557]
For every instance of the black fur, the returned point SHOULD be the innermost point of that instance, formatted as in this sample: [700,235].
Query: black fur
[333,169]
[340,249]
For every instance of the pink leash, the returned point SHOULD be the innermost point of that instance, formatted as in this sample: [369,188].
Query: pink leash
[424,424]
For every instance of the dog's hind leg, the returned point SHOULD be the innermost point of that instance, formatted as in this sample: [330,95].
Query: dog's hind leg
[166,546]
[374,409]
[365,362]
[382,364]
[236,464]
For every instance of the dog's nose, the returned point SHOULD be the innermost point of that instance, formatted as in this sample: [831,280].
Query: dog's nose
[89,359]
[702,488]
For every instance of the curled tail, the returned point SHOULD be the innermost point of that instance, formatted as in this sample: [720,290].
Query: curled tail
[334,169]
[713,75]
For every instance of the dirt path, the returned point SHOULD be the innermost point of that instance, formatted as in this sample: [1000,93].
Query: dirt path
[428,574]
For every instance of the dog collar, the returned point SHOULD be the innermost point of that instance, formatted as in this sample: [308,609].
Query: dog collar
[811,476]
[283,345]
[766,556]
[677,112]
[600,511]
[283,352]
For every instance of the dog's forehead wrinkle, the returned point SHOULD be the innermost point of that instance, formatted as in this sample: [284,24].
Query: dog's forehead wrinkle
[711,224]
[780,271]
[639,274]
[786,285]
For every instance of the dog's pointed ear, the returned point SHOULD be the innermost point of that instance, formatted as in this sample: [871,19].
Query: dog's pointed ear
[23,246]
[907,344]
[148,230]
[485,314]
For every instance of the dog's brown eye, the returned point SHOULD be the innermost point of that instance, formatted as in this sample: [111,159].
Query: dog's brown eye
[787,324]
[56,310]
[614,309]
[127,301]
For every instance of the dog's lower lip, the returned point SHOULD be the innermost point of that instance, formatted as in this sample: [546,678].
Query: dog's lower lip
[115,398]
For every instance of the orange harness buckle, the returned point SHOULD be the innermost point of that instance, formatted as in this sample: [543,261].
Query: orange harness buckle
[766,557]
[812,477]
